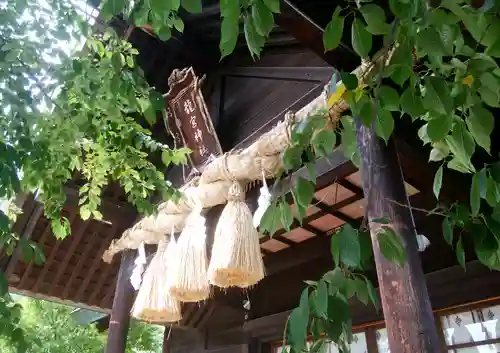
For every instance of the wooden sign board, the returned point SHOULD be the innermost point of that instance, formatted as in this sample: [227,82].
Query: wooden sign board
[188,119]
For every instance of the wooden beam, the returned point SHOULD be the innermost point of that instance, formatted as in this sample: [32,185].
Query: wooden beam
[310,34]
[332,211]
[403,290]
[95,264]
[79,265]
[308,250]
[204,320]
[49,261]
[122,304]
[356,190]
[25,236]
[295,74]
[47,231]
[167,336]
[75,241]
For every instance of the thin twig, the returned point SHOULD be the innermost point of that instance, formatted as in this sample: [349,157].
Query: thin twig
[423,210]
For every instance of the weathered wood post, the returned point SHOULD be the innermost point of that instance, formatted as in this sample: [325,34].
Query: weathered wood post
[405,301]
[122,304]
[167,336]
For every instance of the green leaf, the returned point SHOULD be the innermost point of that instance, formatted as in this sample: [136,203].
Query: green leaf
[349,80]
[494,49]
[437,95]
[333,31]
[438,181]
[229,32]
[401,74]
[411,103]
[372,293]
[321,299]
[447,228]
[361,290]
[255,41]
[361,38]
[297,329]
[389,98]
[193,6]
[335,278]
[27,250]
[39,256]
[300,211]
[475,194]
[461,144]
[298,322]
[439,126]
[324,142]
[374,16]
[384,124]
[304,190]
[391,246]
[480,123]
[430,42]
[350,288]
[84,213]
[262,18]
[112,7]
[286,215]
[178,24]
[273,5]
[117,61]
[270,219]
[350,253]
[460,252]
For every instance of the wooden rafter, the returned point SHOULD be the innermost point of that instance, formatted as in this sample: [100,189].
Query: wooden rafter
[295,74]
[310,34]
[26,235]
[95,264]
[356,190]
[332,210]
[50,259]
[76,271]
[47,231]
[201,310]
[204,320]
[75,241]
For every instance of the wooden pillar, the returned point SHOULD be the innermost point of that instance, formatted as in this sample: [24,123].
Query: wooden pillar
[122,304]
[403,290]
[167,339]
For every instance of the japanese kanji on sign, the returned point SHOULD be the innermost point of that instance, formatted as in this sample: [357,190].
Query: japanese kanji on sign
[188,118]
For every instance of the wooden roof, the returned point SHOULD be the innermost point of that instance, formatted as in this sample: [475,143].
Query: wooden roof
[245,100]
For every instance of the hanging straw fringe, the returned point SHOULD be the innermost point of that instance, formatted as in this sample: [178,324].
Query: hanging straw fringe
[153,303]
[189,283]
[236,259]
[245,166]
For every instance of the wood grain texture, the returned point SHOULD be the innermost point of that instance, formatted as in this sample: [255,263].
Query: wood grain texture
[122,304]
[405,300]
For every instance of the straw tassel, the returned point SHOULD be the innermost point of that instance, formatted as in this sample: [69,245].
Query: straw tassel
[153,303]
[189,283]
[236,259]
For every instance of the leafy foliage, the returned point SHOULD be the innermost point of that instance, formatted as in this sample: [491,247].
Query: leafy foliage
[323,307]
[69,116]
[49,327]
